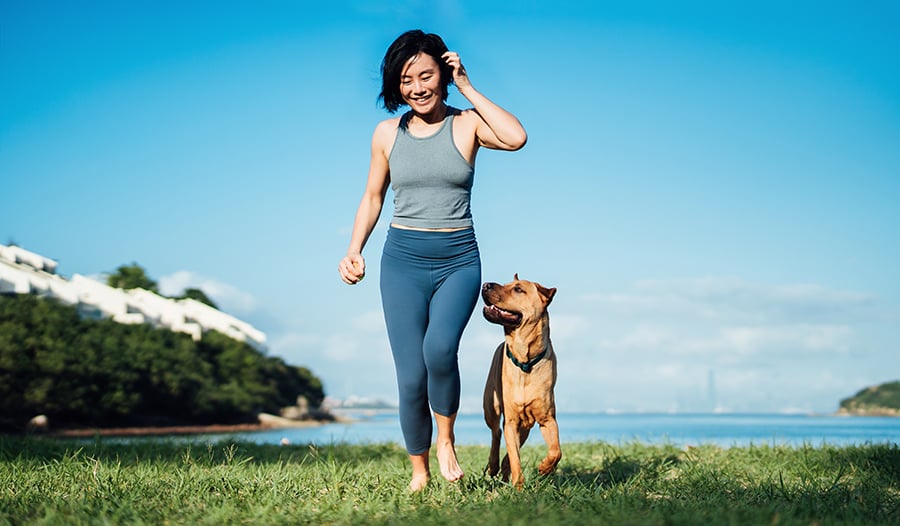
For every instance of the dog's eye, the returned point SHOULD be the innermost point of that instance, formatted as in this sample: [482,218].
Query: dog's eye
[519,289]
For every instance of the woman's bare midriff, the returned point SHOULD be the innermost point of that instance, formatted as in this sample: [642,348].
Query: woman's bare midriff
[457,229]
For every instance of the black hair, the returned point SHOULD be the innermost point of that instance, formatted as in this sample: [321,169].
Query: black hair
[406,46]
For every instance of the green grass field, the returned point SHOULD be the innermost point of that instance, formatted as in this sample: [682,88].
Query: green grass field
[47,481]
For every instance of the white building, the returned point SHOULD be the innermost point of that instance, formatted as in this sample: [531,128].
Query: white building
[24,272]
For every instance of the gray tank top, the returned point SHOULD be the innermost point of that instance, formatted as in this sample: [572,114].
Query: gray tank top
[432,181]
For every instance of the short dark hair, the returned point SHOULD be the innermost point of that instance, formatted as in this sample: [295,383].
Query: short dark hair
[406,46]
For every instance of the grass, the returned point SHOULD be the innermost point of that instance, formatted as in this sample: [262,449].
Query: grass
[51,481]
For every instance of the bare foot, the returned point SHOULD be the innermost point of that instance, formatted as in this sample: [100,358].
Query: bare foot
[419,481]
[421,473]
[446,456]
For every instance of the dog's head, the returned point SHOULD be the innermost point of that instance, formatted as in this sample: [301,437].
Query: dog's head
[517,303]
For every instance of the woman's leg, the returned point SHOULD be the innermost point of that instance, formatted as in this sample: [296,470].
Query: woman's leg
[404,296]
[421,471]
[405,304]
[446,448]
[451,309]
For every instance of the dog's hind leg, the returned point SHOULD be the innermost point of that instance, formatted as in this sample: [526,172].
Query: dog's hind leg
[493,466]
[493,412]
[550,431]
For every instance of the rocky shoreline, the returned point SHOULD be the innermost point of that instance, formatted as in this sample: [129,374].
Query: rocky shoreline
[868,411]
[266,422]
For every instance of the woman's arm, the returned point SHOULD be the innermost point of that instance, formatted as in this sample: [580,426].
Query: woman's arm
[496,128]
[353,266]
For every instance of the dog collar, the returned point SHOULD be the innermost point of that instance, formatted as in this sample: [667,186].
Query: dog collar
[526,367]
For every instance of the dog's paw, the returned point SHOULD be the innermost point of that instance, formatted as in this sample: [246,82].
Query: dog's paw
[548,466]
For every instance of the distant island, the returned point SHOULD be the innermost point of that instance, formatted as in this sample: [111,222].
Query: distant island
[878,400]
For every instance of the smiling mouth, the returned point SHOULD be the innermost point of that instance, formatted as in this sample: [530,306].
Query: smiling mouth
[495,314]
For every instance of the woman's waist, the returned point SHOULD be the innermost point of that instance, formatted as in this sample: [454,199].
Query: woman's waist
[433,244]
[425,229]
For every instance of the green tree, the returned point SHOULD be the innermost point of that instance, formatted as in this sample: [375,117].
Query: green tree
[99,372]
[199,295]
[131,277]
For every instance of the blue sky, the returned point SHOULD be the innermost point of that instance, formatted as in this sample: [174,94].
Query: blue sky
[713,187]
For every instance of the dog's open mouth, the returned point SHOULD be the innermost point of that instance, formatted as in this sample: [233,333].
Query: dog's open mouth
[495,314]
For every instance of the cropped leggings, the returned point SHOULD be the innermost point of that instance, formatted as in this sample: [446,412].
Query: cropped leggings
[429,286]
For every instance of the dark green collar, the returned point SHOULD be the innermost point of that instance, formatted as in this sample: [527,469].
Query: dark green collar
[526,367]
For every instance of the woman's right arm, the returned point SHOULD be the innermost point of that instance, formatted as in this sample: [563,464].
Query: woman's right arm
[353,266]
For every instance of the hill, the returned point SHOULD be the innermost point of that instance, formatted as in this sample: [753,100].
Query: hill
[878,400]
[85,372]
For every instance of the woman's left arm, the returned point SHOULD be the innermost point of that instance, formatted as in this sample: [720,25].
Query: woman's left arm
[498,129]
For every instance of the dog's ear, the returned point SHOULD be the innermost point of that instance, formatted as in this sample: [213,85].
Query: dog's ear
[546,293]
[516,276]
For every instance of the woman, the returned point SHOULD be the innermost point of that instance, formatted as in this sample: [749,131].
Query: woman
[430,267]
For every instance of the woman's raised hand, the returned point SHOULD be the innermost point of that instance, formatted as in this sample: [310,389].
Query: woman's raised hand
[460,77]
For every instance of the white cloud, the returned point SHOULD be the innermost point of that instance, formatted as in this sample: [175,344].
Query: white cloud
[652,346]
[292,339]
[728,298]
[727,315]
[372,321]
[228,297]
[798,337]
[567,327]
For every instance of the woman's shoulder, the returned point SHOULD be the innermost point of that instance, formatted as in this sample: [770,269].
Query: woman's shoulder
[467,117]
[468,114]
[388,124]
[386,130]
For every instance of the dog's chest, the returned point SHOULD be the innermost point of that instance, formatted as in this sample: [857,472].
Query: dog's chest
[527,392]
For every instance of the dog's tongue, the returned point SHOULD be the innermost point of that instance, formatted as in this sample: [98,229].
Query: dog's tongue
[497,315]
[497,310]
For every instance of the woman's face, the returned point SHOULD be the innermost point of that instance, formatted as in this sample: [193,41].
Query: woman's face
[420,84]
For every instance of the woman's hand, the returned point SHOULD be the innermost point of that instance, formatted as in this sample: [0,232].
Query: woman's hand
[352,268]
[495,128]
[460,78]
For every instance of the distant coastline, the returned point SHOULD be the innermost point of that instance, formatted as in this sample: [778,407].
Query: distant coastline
[877,400]
[157,431]
[877,411]
[266,422]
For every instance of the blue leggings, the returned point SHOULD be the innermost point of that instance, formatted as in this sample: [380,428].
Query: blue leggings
[429,286]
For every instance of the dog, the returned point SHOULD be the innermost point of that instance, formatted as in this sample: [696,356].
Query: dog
[519,388]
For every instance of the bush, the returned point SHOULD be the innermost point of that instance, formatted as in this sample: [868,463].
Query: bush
[87,372]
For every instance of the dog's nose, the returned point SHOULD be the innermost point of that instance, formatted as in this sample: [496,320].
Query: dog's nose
[487,286]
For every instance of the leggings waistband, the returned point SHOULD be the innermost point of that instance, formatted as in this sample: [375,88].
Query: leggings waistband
[430,245]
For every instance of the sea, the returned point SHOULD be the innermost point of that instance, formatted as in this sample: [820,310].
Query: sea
[682,430]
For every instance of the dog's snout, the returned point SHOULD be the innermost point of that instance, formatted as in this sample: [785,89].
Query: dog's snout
[487,286]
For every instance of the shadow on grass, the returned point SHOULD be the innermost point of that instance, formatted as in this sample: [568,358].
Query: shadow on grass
[615,470]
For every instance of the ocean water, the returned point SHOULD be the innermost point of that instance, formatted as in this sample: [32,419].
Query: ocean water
[682,430]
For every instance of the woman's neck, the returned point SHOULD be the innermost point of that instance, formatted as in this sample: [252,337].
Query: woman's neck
[429,119]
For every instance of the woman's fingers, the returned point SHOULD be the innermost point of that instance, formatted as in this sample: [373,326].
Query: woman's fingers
[352,269]
[460,77]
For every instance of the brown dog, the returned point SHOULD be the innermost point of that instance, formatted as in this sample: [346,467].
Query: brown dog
[522,377]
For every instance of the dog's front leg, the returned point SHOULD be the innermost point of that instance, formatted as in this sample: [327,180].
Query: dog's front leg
[550,431]
[513,443]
